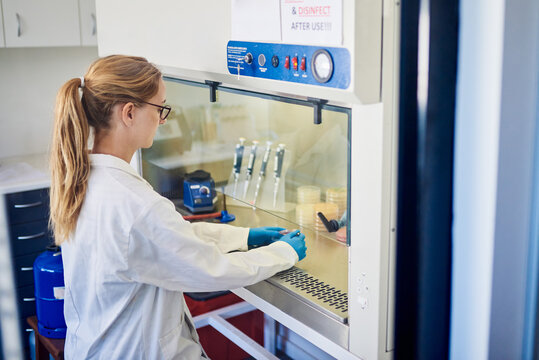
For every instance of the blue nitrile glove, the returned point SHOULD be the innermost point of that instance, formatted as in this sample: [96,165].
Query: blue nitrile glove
[297,241]
[263,235]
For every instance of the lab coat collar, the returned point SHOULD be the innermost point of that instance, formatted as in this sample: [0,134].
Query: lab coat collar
[110,161]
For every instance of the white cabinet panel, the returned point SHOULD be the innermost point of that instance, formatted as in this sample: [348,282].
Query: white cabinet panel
[175,33]
[2,41]
[41,23]
[88,23]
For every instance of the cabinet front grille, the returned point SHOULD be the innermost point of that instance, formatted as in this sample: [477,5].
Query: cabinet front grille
[333,301]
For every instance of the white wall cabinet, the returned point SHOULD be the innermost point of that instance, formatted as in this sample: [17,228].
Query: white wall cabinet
[88,23]
[41,23]
[37,23]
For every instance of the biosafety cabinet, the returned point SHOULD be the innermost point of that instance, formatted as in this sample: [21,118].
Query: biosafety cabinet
[291,107]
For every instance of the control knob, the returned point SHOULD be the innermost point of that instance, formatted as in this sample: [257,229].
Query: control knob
[248,58]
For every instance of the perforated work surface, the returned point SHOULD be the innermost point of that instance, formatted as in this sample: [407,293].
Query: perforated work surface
[323,296]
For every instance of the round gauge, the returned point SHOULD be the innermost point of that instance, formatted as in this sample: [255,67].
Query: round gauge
[322,65]
[261,60]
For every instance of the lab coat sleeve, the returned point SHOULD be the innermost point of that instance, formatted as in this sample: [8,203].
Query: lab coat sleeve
[165,251]
[228,238]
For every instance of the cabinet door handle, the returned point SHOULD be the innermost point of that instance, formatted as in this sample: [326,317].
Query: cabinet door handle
[27,268]
[29,330]
[19,32]
[29,299]
[94,26]
[28,237]
[25,206]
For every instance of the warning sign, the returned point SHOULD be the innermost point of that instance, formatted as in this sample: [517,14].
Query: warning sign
[312,22]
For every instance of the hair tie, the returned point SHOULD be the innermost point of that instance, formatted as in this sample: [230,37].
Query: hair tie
[81,82]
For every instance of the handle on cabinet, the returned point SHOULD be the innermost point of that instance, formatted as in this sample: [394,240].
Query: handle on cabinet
[29,268]
[25,206]
[28,237]
[19,32]
[94,27]
[29,299]
[29,330]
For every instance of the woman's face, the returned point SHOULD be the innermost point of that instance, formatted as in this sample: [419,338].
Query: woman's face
[149,117]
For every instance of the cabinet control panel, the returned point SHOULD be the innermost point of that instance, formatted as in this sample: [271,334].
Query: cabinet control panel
[313,65]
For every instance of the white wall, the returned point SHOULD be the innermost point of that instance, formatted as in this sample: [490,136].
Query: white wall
[475,179]
[494,144]
[515,177]
[29,80]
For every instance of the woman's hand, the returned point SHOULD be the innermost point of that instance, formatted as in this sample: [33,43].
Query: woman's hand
[262,236]
[297,241]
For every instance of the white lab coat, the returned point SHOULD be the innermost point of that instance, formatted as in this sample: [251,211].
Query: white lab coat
[129,261]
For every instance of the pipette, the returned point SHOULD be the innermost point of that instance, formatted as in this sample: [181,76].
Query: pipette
[250,165]
[279,155]
[262,172]
[238,158]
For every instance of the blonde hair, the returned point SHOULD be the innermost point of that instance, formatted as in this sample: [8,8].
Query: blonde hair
[109,81]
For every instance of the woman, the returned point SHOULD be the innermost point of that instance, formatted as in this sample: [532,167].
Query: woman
[128,255]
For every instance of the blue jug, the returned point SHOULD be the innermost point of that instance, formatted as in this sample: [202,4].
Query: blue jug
[49,292]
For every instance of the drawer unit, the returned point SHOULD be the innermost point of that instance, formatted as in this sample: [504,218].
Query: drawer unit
[30,237]
[24,269]
[26,301]
[27,214]
[28,206]
[25,330]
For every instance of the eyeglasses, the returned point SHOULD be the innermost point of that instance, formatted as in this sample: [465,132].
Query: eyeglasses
[164,110]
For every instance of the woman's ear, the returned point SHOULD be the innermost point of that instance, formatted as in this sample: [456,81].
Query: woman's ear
[128,114]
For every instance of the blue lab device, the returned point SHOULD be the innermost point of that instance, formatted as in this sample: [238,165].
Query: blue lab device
[198,191]
[49,293]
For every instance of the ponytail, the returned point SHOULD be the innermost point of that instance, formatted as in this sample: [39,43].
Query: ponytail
[110,80]
[70,163]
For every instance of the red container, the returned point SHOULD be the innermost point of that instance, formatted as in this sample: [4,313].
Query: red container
[216,345]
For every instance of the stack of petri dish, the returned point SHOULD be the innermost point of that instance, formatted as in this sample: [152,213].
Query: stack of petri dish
[305,215]
[307,196]
[330,212]
[339,197]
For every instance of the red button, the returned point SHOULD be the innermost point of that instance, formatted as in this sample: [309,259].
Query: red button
[287,62]
[302,65]
[295,62]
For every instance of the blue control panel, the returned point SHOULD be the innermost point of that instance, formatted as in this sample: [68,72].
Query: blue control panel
[313,65]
